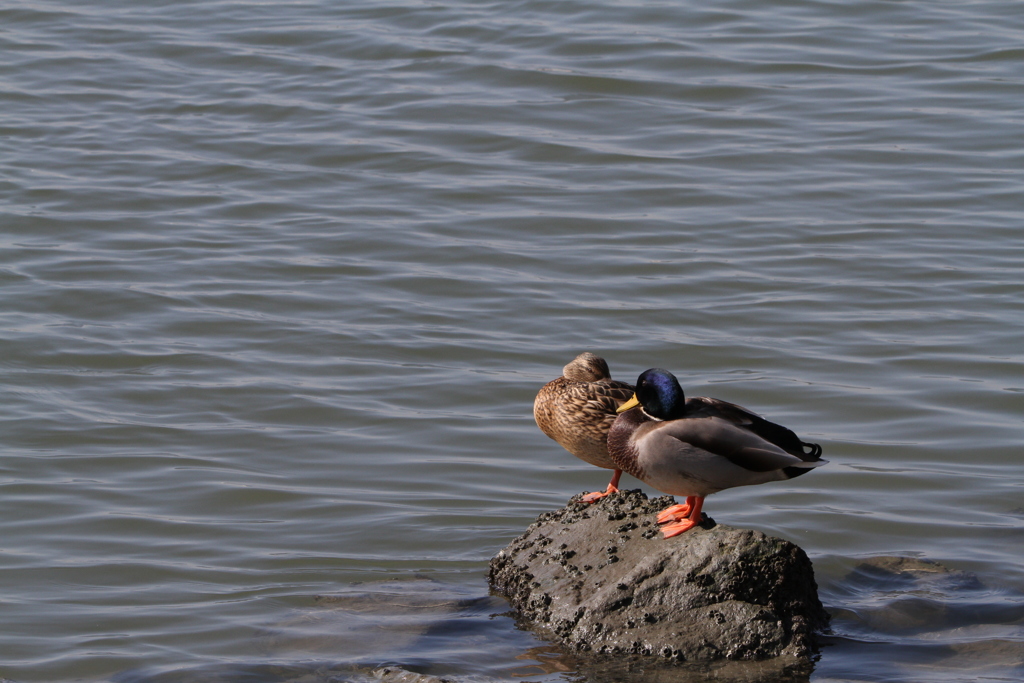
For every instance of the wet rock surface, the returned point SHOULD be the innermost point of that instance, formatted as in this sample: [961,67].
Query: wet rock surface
[600,579]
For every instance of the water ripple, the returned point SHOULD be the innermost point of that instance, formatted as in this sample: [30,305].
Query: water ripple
[282,281]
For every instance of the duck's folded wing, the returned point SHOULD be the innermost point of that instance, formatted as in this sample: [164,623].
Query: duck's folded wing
[783,437]
[597,401]
[759,460]
[618,391]
[739,446]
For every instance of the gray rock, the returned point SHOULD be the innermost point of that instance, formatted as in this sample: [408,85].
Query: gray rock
[600,579]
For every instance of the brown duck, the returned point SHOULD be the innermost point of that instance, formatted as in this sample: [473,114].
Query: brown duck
[578,408]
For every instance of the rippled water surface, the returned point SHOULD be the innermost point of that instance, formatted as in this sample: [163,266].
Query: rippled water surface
[282,279]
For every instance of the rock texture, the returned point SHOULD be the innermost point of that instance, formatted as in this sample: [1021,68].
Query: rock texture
[600,578]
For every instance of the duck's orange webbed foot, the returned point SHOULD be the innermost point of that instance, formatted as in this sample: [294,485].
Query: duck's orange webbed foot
[681,523]
[677,513]
[677,528]
[674,513]
[613,487]
[598,495]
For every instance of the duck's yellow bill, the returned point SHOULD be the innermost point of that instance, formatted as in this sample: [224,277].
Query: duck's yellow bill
[631,403]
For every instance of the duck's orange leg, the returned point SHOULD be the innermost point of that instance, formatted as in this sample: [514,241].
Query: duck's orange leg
[675,513]
[613,487]
[687,523]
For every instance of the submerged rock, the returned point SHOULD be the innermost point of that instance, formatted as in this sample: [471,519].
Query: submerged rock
[889,572]
[938,618]
[600,578]
[396,674]
[367,621]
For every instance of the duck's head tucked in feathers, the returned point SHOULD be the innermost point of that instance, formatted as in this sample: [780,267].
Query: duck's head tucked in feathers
[587,367]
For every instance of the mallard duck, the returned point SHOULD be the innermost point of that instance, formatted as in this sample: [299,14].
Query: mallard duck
[699,446]
[577,409]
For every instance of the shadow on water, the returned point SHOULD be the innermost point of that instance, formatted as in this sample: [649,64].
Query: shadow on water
[894,619]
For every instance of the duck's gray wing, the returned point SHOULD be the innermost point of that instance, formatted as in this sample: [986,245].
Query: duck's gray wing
[783,437]
[740,446]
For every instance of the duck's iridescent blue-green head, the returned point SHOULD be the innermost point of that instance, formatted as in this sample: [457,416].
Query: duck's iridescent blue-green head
[659,393]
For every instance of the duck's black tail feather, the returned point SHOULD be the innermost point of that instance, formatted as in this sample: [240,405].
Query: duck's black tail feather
[811,450]
[784,438]
[811,453]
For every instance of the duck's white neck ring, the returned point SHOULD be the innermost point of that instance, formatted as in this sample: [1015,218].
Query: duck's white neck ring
[656,419]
